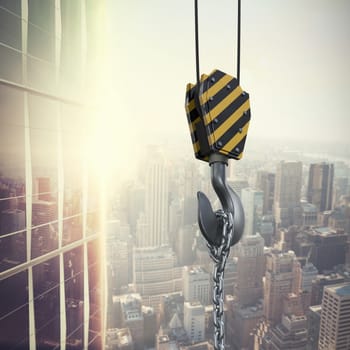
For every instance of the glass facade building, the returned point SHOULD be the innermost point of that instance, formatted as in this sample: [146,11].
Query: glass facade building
[50,233]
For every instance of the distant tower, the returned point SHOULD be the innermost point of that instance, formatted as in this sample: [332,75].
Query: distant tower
[252,202]
[281,278]
[250,270]
[131,317]
[320,186]
[335,316]
[287,193]
[266,182]
[196,284]
[156,200]
[155,274]
[194,321]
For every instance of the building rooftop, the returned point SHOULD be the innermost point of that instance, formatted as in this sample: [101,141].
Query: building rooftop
[196,269]
[340,289]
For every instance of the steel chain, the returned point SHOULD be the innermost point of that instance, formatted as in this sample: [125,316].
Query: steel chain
[219,255]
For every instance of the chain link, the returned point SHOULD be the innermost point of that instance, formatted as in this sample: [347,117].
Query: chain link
[219,255]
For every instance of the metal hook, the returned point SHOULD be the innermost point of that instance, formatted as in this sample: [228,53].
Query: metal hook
[208,220]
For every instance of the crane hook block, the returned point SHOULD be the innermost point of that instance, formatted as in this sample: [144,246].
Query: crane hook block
[218,114]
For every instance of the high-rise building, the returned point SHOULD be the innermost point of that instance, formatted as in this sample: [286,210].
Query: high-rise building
[320,282]
[287,193]
[131,317]
[308,273]
[184,244]
[50,294]
[194,321]
[250,270]
[328,247]
[314,321]
[335,318]
[280,279]
[267,229]
[196,284]
[265,182]
[156,201]
[252,201]
[320,186]
[155,274]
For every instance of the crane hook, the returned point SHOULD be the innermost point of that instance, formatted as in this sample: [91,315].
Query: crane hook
[208,220]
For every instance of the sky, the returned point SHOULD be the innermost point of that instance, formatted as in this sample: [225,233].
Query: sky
[295,58]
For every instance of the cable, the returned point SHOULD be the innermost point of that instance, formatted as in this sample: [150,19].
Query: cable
[196,40]
[239,41]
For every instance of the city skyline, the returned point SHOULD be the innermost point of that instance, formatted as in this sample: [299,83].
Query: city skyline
[99,240]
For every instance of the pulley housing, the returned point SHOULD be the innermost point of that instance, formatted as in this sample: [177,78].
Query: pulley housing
[218,114]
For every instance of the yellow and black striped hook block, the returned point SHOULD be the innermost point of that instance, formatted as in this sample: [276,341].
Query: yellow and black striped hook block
[218,114]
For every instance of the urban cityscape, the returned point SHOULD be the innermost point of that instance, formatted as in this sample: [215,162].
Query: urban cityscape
[294,252]
[100,247]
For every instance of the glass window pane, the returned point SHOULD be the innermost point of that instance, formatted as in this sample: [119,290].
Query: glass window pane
[72,229]
[93,205]
[74,284]
[10,29]
[41,13]
[40,43]
[14,321]
[44,153]
[46,303]
[11,64]
[72,133]
[94,269]
[12,5]
[12,179]
[41,74]
[13,250]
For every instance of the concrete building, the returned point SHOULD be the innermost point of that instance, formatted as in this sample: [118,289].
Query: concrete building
[320,186]
[280,280]
[194,321]
[119,339]
[196,285]
[131,317]
[155,274]
[308,214]
[308,274]
[184,243]
[328,248]
[265,182]
[335,318]
[252,201]
[156,201]
[240,324]
[250,270]
[267,229]
[314,321]
[287,193]
[322,281]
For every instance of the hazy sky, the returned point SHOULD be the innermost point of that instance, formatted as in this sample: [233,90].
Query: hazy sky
[295,65]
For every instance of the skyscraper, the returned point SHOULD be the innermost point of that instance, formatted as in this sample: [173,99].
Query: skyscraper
[335,318]
[250,270]
[194,321]
[280,279]
[252,202]
[50,289]
[196,284]
[320,186]
[155,274]
[156,201]
[265,182]
[287,193]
